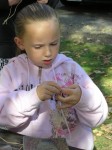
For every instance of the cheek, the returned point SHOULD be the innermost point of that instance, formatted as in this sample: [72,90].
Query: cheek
[57,48]
[55,51]
[36,55]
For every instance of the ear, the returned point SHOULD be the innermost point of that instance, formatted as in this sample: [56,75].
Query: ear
[19,43]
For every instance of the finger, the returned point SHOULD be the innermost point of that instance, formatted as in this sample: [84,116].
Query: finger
[67,91]
[49,93]
[71,91]
[51,86]
[54,84]
[53,90]
[64,99]
[48,97]
[43,93]
[70,100]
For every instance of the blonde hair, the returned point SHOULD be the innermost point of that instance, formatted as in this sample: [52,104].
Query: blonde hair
[33,12]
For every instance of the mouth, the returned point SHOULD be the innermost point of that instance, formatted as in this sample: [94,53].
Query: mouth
[47,62]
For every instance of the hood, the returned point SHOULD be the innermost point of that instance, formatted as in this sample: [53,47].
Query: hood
[60,59]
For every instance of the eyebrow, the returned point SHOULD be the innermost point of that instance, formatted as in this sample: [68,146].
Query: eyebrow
[40,44]
[34,45]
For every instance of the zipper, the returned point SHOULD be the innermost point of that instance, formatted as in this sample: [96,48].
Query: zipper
[40,72]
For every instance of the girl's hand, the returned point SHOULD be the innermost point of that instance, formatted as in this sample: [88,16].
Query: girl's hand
[47,89]
[71,98]
[42,1]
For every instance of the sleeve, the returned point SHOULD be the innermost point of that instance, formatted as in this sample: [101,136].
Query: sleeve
[16,107]
[4,5]
[92,109]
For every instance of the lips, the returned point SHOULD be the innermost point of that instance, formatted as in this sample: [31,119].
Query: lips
[47,62]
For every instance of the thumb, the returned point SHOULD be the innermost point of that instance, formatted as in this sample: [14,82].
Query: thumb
[73,86]
[66,91]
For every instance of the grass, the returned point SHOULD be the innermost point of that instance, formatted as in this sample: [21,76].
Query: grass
[96,59]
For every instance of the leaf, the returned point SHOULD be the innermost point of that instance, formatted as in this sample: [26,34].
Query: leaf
[99,72]
[65,52]
[107,128]
[100,133]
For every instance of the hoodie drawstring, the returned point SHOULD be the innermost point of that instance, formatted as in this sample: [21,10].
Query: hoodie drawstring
[28,76]
[9,15]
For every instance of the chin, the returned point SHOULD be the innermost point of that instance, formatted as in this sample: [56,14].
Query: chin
[46,66]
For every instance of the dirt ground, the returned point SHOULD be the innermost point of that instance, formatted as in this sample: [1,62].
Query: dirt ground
[86,23]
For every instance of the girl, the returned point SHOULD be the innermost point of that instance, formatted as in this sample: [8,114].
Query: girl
[45,94]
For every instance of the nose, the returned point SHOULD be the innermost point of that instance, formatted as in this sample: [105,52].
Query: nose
[47,51]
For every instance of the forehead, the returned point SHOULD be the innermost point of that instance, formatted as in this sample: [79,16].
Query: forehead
[41,29]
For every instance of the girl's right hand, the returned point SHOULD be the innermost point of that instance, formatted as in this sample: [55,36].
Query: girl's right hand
[47,89]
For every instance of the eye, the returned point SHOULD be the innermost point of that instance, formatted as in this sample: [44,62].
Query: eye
[53,44]
[37,47]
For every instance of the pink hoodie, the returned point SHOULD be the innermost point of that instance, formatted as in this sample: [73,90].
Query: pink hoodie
[23,112]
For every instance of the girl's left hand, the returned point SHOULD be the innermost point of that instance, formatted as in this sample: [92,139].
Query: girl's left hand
[71,98]
[42,1]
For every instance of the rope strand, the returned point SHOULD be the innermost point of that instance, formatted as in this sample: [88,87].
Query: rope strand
[9,15]
[14,143]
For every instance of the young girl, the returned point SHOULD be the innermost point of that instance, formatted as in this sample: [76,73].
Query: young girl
[45,94]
